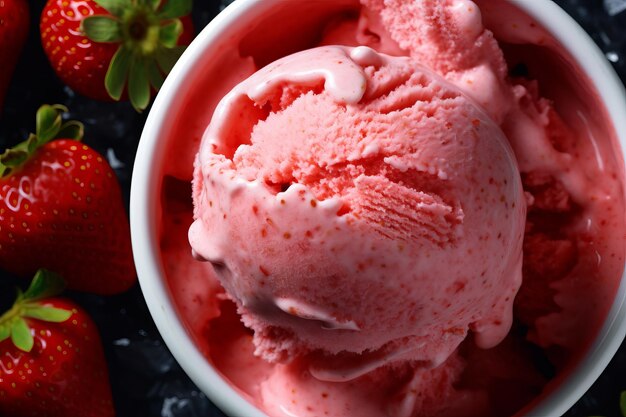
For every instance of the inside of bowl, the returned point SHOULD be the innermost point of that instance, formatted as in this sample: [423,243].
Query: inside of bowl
[536,60]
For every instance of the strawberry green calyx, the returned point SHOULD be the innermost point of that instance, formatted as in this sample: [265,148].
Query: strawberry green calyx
[49,126]
[148,33]
[29,305]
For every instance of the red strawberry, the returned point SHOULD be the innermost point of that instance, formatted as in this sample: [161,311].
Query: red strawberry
[13,33]
[95,46]
[61,208]
[51,360]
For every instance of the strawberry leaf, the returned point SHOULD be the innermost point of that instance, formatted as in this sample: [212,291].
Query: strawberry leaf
[154,75]
[102,28]
[5,332]
[44,284]
[175,8]
[13,157]
[72,130]
[116,75]
[138,85]
[170,32]
[167,57]
[20,335]
[115,7]
[48,122]
[45,313]
[155,4]
[31,143]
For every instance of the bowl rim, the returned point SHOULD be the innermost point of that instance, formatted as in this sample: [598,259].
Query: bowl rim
[145,191]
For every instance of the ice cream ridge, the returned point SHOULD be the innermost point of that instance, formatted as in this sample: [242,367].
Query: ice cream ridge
[403,227]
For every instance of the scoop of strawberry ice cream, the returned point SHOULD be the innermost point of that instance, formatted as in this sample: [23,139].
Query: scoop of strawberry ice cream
[359,209]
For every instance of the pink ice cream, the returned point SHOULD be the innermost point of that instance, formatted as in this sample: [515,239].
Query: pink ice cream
[362,207]
[404,227]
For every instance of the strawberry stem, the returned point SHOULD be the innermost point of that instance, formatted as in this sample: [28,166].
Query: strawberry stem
[137,25]
[49,126]
[13,323]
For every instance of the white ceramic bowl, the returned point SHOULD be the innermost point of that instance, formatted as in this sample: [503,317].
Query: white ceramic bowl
[171,101]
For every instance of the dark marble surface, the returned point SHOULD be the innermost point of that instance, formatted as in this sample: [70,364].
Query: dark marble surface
[146,380]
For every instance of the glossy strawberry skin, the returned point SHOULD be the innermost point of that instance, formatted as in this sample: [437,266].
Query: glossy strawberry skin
[64,375]
[79,62]
[14,23]
[63,211]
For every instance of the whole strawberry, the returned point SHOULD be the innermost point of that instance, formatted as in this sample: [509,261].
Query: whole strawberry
[104,49]
[51,359]
[61,208]
[13,32]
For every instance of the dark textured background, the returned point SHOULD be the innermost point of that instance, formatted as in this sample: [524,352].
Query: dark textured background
[146,380]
